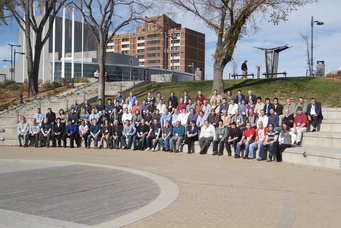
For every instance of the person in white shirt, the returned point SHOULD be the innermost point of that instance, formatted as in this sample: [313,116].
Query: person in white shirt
[258,143]
[207,135]
[216,96]
[232,108]
[206,108]
[161,106]
[262,118]
[126,115]
[182,117]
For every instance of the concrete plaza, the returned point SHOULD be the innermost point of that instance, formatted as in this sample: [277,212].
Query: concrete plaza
[213,191]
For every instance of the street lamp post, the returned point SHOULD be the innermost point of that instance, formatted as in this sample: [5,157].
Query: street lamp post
[12,45]
[173,36]
[312,45]
[20,53]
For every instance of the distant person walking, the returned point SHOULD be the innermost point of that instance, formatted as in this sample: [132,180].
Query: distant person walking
[96,75]
[244,69]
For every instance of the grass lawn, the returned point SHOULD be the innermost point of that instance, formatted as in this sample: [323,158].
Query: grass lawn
[325,90]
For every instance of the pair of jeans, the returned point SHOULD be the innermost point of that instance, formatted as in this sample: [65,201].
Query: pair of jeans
[259,145]
[141,139]
[164,143]
[96,138]
[25,137]
[123,141]
[245,144]
[218,146]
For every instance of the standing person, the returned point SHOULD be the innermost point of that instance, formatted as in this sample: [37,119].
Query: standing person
[23,129]
[192,136]
[314,113]
[221,134]
[96,75]
[207,135]
[75,106]
[173,99]
[244,69]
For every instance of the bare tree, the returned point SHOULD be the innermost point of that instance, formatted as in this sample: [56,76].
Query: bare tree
[24,13]
[229,20]
[305,37]
[106,18]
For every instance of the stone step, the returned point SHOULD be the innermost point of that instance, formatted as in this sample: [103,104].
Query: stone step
[331,125]
[320,139]
[325,157]
[330,113]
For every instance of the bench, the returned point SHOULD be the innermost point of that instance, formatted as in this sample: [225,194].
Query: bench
[240,75]
[271,75]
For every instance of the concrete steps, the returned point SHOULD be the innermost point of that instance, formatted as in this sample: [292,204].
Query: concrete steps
[322,139]
[325,157]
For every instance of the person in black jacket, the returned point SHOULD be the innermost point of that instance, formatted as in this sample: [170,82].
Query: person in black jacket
[314,113]
[233,137]
[58,133]
[116,134]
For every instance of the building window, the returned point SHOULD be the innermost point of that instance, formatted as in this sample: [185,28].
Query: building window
[175,68]
[125,45]
[153,41]
[175,48]
[141,63]
[125,52]
[140,56]
[153,48]
[175,60]
[175,41]
[140,50]
[140,44]
[175,54]
[154,61]
[125,40]
[140,38]
[153,54]
[154,35]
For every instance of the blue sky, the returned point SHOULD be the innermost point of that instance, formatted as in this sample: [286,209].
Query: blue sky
[293,61]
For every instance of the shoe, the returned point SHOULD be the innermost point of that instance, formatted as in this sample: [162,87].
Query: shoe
[299,144]
[245,157]
[313,130]
[229,155]
[215,153]
[147,149]
[177,151]
[166,150]
[220,154]
[135,149]
[153,149]
[88,147]
[25,145]
[269,160]
[72,147]
[20,145]
[170,151]
[260,159]
[202,152]
[236,156]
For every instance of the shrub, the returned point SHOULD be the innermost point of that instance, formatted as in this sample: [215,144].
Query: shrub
[81,80]
[48,85]
[7,83]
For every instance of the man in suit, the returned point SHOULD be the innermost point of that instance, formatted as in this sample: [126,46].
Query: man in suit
[250,96]
[314,113]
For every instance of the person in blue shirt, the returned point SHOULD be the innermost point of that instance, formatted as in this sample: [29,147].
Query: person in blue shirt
[100,107]
[95,133]
[129,131]
[178,135]
[39,117]
[131,98]
[109,106]
[166,116]
[70,132]
[192,136]
[45,133]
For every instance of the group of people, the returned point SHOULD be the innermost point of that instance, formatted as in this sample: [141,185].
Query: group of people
[243,122]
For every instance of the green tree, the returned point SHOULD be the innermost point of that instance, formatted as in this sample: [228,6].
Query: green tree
[229,20]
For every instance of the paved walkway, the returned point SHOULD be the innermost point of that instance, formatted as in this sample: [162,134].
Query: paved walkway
[221,191]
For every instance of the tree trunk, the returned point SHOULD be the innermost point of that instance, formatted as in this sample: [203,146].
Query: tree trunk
[101,63]
[218,83]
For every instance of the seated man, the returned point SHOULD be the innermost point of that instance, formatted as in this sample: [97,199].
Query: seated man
[207,135]
[116,134]
[153,134]
[94,133]
[129,131]
[83,131]
[166,134]
[70,132]
[258,143]
[221,133]
[58,133]
[234,137]
[34,131]
[238,119]
[288,119]
[106,133]
[314,113]
[300,125]
[141,134]
[247,139]
[271,142]
[23,128]
[273,119]
[178,135]
[45,133]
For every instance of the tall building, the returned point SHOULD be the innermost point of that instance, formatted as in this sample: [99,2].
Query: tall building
[163,43]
